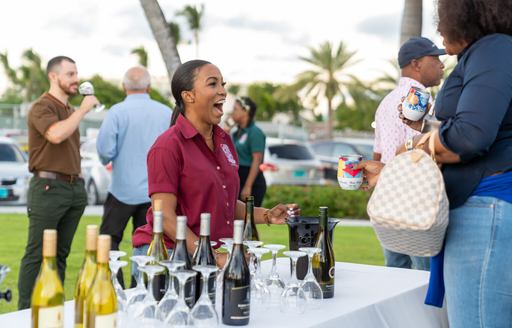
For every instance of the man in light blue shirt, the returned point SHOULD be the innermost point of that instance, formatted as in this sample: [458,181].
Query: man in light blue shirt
[126,135]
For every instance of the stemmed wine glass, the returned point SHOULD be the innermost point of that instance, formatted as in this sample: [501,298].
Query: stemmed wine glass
[147,308]
[310,286]
[139,292]
[170,298]
[259,291]
[115,265]
[203,313]
[180,312]
[274,283]
[294,298]
[228,246]
[252,244]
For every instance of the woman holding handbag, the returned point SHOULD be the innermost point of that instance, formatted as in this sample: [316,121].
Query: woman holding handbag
[474,146]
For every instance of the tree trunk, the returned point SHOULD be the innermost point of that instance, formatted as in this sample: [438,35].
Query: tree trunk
[329,119]
[163,37]
[412,19]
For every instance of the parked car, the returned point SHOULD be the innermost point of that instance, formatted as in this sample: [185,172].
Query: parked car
[329,151]
[291,162]
[97,176]
[14,174]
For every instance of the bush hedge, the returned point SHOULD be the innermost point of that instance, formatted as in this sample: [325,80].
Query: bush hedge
[341,203]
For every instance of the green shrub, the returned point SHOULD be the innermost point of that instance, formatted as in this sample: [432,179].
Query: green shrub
[341,203]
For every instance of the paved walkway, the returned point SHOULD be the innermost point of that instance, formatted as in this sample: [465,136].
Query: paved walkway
[98,210]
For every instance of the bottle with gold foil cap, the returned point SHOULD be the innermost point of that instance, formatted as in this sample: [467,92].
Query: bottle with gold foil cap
[48,293]
[101,302]
[86,275]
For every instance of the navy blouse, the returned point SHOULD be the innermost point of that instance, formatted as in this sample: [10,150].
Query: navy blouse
[475,107]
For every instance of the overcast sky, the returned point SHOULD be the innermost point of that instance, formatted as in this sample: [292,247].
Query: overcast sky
[249,41]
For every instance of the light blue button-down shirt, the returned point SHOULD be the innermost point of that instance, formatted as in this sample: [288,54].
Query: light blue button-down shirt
[126,135]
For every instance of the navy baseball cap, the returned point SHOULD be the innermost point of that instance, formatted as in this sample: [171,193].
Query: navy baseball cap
[415,48]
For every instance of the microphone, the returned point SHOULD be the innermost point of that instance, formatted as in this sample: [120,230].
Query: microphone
[87,89]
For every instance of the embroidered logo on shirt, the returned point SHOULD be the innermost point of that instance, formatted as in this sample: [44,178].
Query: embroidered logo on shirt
[227,152]
[243,139]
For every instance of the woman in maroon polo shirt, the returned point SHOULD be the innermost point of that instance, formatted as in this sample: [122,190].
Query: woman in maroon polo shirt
[193,166]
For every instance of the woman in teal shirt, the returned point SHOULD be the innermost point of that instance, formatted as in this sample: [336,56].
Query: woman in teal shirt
[249,142]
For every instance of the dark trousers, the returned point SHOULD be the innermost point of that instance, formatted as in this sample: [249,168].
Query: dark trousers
[116,215]
[51,204]
[259,187]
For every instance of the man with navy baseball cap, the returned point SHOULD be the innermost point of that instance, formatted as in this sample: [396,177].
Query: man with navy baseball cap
[420,67]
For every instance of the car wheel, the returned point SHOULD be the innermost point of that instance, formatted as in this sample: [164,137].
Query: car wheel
[92,193]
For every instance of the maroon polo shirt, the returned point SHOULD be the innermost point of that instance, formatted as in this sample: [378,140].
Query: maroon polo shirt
[181,163]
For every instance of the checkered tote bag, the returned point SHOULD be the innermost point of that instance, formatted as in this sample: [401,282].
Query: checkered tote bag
[409,207]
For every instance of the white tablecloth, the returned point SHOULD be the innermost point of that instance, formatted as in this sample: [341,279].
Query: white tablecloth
[365,296]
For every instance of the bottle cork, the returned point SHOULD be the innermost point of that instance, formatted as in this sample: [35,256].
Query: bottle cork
[157,205]
[49,243]
[91,235]
[103,249]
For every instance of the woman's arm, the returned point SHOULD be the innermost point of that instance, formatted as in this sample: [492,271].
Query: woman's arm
[169,203]
[257,158]
[443,154]
[275,215]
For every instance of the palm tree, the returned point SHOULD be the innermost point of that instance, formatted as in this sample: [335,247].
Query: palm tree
[164,39]
[142,55]
[412,19]
[327,78]
[193,15]
[174,29]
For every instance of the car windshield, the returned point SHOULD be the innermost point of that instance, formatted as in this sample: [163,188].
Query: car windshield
[290,151]
[9,153]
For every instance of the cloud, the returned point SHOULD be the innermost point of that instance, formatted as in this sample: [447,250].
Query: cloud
[249,23]
[383,26]
[116,49]
[81,23]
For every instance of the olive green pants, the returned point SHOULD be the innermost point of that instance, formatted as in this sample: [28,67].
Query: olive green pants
[51,204]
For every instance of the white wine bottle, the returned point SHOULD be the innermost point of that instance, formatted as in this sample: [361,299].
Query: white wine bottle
[158,251]
[236,287]
[86,275]
[323,262]
[101,303]
[48,294]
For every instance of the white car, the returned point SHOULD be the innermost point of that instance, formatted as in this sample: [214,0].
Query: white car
[97,176]
[14,174]
[291,162]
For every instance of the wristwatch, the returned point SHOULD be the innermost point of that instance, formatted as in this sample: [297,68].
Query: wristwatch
[409,144]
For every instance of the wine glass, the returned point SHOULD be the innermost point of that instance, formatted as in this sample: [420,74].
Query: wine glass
[180,312]
[259,290]
[252,244]
[293,298]
[139,292]
[310,286]
[196,243]
[171,297]
[203,313]
[147,308]
[114,255]
[274,283]
[115,265]
[228,246]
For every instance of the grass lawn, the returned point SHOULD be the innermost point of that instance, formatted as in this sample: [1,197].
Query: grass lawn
[351,244]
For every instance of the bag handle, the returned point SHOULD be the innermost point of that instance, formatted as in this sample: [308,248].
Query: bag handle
[430,137]
[431,145]
[423,140]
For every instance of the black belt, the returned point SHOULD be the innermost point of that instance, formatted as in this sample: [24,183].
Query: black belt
[58,176]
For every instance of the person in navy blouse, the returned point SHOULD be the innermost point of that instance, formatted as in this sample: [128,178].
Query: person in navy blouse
[474,145]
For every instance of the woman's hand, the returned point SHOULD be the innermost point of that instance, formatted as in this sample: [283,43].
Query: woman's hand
[415,125]
[371,172]
[246,192]
[279,213]
[220,259]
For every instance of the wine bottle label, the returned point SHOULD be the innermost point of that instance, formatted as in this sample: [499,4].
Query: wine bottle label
[240,303]
[105,321]
[51,317]
[331,272]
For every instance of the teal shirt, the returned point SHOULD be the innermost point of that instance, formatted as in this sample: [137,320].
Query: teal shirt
[251,140]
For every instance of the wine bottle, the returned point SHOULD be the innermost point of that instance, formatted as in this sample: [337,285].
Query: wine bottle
[323,262]
[86,275]
[48,293]
[204,256]
[101,303]
[236,291]
[158,251]
[180,253]
[250,231]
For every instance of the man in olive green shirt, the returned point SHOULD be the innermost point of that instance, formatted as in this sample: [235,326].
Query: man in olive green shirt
[56,195]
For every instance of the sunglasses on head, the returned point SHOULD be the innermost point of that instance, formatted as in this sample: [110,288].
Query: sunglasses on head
[243,103]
